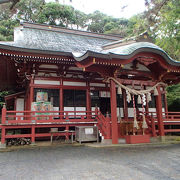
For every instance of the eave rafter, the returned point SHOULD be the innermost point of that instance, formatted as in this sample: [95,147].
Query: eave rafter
[136,73]
[33,57]
[155,63]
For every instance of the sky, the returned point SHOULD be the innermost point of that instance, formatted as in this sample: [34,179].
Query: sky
[110,7]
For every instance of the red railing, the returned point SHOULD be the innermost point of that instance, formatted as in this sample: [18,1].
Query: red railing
[167,116]
[103,124]
[36,117]
[171,116]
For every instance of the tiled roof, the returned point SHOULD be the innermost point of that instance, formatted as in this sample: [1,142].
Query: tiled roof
[127,51]
[80,44]
[58,39]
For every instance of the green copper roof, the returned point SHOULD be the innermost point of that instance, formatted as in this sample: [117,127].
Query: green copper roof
[127,51]
[37,38]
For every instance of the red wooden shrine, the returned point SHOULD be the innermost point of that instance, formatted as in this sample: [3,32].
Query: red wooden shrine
[61,79]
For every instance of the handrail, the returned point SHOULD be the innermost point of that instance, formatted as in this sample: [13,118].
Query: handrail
[46,116]
[104,125]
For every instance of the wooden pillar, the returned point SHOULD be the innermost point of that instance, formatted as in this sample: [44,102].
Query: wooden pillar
[114,125]
[67,132]
[88,100]
[33,134]
[61,105]
[108,126]
[3,121]
[125,110]
[3,134]
[31,95]
[159,112]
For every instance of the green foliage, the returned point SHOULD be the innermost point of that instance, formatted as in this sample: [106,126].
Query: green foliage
[169,25]
[163,22]
[7,29]
[29,10]
[80,19]
[97,22]
[56,14]
[2,95]
[173,97]
[136,25]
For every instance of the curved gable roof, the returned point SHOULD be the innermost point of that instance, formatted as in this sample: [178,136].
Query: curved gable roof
[127,51]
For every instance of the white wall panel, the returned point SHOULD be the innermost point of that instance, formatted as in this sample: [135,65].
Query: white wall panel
[98,84]
[69,109]
[80,109]
[69,83]
[46,82]
[121,112]
[20,106]
[130,112]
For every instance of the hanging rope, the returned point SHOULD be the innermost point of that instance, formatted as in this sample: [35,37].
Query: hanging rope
[137,92]
[144,124]
[135,125]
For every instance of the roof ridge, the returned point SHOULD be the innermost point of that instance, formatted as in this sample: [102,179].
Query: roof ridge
[47,27]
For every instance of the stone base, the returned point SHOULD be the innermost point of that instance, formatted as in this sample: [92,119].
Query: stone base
[2,146]
[33,144]
[158,139]
[122,141]
[106,141]
[137,139]
[162,138]
[109,141]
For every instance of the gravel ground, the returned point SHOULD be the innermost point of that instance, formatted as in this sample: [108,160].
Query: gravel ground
[87,163]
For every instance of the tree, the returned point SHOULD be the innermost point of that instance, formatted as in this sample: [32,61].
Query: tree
[57,14]
[29,10]
[117,26]
[163,23]
[97,22]
[2,95]
[80,19]
[7,29]
[136,25]
[173,97]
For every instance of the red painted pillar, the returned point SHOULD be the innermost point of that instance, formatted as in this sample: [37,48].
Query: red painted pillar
[3,134]
[125,110]
[33,134]
[67,133]
[153,128]
[3,121]
[88,101]
[108,126]
[31,95]
[114,124]
[159,112]
[61,102]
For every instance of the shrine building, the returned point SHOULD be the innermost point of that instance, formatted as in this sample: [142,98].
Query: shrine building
[65,78]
